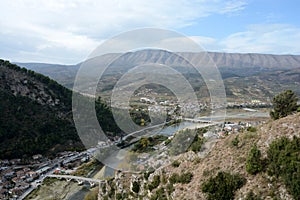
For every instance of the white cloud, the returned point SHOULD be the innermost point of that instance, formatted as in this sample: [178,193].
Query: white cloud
[79,25]
[233,6]
[207,43]
[264,38]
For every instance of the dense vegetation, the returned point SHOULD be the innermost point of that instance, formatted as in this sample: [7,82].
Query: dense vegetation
[254,163]
[223,186]
[283,158]
[283,162]
[28,127]
[284,104]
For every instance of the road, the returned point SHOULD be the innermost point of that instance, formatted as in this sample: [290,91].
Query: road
[53,165]
[139,131]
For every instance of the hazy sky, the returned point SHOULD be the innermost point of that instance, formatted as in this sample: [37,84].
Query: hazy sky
[66,31]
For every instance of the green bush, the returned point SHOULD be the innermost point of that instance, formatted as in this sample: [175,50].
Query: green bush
[159,195]
[223,186]
[170,188]
[183,178]
[175,163]
[135,187]
[284,104]
[167,141]
[254,163]
[186,178]
[252,196]
[251,129]
[155,183]
[119,196]
[283,161]
[235,141]
[197,144]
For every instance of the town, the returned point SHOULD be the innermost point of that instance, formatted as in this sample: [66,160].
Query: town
[19,177]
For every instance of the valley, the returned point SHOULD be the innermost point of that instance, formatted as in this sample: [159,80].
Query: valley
[161,160]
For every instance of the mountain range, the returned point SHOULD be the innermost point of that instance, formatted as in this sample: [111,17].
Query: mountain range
[245,76]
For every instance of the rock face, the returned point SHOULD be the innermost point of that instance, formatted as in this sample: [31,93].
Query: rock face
[19,83]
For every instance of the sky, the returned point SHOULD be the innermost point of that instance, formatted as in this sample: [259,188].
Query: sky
[67,31]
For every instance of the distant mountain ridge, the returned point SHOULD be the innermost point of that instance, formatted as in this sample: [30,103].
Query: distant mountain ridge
[235,68]
[221,60]
[254,59]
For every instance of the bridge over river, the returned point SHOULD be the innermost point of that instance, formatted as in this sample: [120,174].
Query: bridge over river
[79,179]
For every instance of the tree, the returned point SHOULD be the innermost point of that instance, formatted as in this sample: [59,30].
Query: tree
[135,187]
[284,104]
[144,142]
[283,161]
[223,186]
[254,162]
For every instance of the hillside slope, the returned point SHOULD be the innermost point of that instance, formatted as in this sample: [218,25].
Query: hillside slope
[223,157]
[226,157]
[36,114]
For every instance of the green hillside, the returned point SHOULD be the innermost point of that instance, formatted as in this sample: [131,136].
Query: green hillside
[36,114]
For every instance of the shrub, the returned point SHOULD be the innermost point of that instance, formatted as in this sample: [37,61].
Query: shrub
[168,141]
[283,162]
[235,141]
[155,183]
[135,187]
[223,186]
[175,163]
[159,195]
[252,196]
[284,104]
[183,179]
[186,178]
[197,144]
[170,188]
[119,196]
[251,129]
[254,163]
